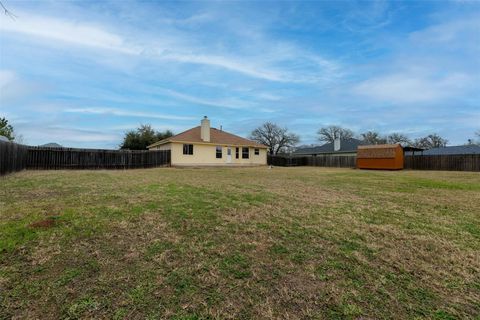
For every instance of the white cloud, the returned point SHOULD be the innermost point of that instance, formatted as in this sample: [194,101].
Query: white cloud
[447,32]
[14,88]
[278,61]
[268,96]
[6,77]
[226,63]
[226,103]
[126,113]
[433,64]
[411,88]
[78,33]
[40,134]
[157,126]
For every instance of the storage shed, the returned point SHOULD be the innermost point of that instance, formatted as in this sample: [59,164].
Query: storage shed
[381,156]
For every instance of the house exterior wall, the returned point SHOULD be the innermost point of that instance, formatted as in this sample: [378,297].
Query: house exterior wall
[205,155]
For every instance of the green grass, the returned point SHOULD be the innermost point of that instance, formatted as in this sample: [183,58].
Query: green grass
[248,243]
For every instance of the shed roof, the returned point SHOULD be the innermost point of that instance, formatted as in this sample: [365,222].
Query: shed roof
[216,137]
[346,145]
[379,146]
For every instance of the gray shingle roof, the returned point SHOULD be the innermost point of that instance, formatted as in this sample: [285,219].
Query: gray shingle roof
[347,145]
[469,149]
[51,145]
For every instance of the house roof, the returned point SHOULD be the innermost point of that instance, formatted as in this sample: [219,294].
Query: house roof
[468,149]
[51,145]
[346,145]
[216,137]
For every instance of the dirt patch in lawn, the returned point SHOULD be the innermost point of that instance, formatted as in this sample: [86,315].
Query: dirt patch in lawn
[50,222]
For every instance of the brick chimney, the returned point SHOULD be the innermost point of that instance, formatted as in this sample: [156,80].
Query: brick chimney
[336,144]
[205,129]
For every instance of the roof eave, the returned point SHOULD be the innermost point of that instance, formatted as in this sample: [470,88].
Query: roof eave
[252,144]
[158,143]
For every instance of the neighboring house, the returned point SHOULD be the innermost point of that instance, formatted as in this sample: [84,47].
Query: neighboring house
[453,150]
[205,146]
[340,147]
[51,145]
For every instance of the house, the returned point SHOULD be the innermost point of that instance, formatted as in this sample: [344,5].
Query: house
[206,146]
[340,147]
[452,150]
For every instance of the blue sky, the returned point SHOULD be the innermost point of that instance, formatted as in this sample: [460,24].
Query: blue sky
[82,73]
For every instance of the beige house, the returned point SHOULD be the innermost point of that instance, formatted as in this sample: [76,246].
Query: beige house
[205,146]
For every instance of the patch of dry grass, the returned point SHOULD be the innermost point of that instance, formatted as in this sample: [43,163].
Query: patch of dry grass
[240,243]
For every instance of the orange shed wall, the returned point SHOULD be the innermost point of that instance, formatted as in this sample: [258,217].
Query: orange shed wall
[395,163]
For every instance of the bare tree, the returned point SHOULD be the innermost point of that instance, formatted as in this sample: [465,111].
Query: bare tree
[372,137]
[7,12]
[430,141]
[399,138]
[474,141]
[274,137]
[330,133]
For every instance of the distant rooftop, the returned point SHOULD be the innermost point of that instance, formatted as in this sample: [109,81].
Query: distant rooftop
[346,145]
[452,150]
[51,145]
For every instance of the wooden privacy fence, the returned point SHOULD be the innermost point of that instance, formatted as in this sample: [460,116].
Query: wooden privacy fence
[14,157]
[332,161]
[285,161]
[317,161]
[69,158]
[470,162]
[466,162]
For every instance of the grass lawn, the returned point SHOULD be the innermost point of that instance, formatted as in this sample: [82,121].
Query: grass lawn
[290,243]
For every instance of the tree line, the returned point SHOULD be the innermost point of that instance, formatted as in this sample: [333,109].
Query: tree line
[281,140]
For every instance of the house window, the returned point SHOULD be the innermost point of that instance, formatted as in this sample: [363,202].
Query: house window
[257,151]
[237,153]
[245,153]
[188,149]
[219,152]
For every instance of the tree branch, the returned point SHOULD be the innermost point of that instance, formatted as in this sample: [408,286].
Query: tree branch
[7,12]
